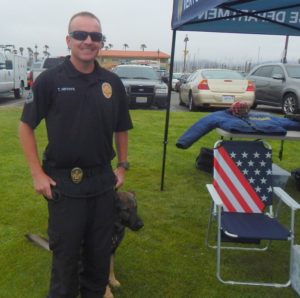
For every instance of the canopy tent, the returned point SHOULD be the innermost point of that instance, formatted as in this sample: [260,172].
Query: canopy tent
[273,17]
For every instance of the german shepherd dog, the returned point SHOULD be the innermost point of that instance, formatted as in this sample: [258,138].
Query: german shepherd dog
[127,216]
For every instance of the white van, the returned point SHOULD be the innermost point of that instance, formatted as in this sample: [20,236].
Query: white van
[13,74]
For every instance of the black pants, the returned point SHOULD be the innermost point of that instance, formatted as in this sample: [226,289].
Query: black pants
[80,233]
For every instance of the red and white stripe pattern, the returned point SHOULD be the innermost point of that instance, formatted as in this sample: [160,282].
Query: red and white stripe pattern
[233,187]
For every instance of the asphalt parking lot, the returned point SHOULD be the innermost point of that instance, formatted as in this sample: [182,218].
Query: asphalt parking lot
[9,100]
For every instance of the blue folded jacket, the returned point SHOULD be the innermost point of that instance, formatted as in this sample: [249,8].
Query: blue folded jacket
[253,123]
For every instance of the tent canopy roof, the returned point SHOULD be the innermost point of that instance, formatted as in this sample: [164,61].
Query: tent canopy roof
[275,17]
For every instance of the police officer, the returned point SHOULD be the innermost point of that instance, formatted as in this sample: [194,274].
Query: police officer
[84,107]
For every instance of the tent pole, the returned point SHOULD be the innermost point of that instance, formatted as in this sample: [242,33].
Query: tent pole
[168,111]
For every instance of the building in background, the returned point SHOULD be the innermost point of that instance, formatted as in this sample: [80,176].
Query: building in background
[157,59]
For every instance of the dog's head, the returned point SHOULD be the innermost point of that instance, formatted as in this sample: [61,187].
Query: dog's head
[127,210]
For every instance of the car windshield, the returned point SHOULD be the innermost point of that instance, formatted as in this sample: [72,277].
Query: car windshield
[132,72]
[177,75]
[51,62]
[222,74]
[293,71]
[36,65]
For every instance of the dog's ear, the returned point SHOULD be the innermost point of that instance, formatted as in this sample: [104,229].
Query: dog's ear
[121,195]
[132,192]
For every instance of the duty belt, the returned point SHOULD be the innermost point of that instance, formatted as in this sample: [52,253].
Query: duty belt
[76,174]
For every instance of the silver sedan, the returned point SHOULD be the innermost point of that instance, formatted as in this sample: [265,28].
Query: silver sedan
[215,87]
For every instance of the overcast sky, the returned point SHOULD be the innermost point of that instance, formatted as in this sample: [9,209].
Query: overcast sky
[135,22]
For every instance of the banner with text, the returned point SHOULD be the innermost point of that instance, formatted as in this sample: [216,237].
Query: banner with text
[274,17]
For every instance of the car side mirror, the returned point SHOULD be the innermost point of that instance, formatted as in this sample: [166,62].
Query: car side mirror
[165,79]
[278,76]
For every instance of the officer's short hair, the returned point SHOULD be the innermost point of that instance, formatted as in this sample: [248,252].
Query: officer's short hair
[83,14]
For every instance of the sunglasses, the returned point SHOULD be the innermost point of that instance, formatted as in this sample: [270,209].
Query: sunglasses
[82,35]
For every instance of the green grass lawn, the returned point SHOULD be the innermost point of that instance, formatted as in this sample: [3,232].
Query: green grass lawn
[168,257]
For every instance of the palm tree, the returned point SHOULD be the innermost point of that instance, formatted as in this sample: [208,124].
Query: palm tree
[110,45]
[143,47]
[36,53]
[103,41]
[21,49]
[46,52]
[125,45]
[30,56]
[106,48]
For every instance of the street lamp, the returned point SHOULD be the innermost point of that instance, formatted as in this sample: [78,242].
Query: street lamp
[283,59]
[158,59]
[186,39]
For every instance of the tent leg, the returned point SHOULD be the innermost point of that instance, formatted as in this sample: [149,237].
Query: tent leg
[168,111]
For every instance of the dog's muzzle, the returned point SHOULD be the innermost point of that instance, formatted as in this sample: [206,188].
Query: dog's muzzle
[137,225]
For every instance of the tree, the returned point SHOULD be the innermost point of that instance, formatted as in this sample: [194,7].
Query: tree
[46,52]
[143,47]
[103,41]
[21,49]
[106,48]
[36,53]
[125,46]
[110,45]
[30,56]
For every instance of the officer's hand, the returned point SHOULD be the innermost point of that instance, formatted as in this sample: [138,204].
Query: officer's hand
[120,176]
[42,184]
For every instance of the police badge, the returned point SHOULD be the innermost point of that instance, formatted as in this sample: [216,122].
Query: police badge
[76,175]
[107,90]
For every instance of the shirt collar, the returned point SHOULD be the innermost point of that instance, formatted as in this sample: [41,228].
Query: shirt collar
[73,72]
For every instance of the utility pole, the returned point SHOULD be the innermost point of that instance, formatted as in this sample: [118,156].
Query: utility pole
[186,39]
[283,60]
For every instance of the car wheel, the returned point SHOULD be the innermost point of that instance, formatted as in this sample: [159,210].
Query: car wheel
[254,106]
[290,104]
[191,105]
[181,103]
[163,104]
[19,92]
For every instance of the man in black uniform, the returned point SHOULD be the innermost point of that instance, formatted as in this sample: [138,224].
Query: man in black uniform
[84,106]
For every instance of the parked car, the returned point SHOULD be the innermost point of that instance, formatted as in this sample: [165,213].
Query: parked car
[181,80]
[175,77]
[277,84]
[143,85]
[215,87]
[39,66]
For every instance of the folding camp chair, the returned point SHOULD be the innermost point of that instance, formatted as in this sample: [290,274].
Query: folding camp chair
[242,192]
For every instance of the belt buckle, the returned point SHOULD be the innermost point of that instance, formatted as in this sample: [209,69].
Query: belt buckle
[76,175]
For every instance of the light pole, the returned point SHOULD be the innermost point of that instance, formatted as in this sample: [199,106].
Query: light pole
[283,60]
[186,39]
[158,59]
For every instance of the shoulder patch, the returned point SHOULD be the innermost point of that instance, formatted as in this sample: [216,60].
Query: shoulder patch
[29,97]
[107,90]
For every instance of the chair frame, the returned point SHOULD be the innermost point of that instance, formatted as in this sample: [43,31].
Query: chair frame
[216,211]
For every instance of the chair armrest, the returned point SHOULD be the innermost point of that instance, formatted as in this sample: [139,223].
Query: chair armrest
[214,195]
[283,196]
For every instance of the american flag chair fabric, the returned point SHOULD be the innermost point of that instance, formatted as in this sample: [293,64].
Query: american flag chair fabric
[242,192]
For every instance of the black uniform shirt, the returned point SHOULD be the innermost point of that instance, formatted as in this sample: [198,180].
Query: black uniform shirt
[81,112]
